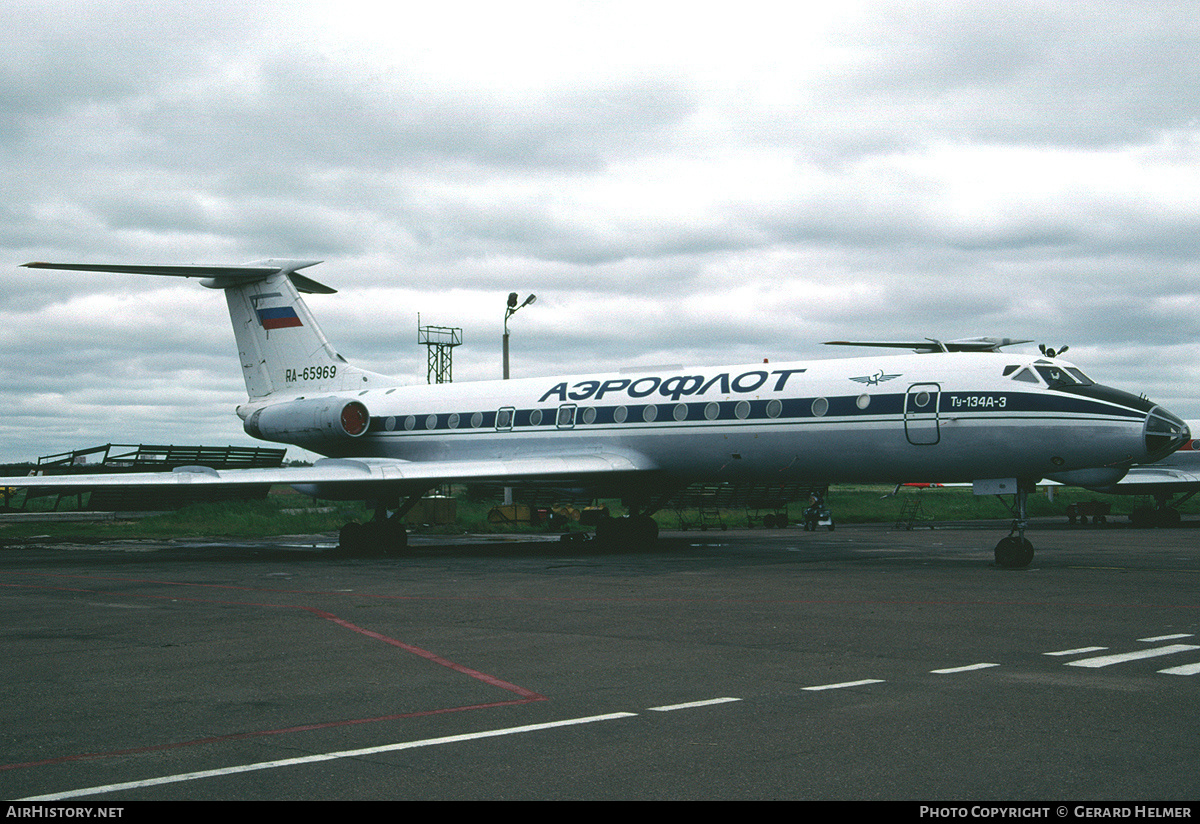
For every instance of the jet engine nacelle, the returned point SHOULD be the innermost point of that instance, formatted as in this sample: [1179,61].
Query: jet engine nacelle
[312,419]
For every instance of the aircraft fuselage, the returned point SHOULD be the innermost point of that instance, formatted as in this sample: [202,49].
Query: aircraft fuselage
[943,417]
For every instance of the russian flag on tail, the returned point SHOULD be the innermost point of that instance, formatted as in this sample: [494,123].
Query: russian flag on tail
[278,318]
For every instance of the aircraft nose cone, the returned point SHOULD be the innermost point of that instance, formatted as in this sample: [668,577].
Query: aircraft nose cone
[1163,434]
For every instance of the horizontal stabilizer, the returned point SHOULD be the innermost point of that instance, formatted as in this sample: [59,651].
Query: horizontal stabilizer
[221,276]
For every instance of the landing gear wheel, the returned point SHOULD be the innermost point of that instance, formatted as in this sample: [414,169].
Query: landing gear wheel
[609,532]
[1168,516]
[1014,553]
[392,536]
[640,529]
[388,537]
[644,528]
[352,537]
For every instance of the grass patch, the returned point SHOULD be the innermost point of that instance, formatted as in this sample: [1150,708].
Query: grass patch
[274,515]
[288,513]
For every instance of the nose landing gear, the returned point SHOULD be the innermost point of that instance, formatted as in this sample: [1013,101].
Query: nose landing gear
[1015,551]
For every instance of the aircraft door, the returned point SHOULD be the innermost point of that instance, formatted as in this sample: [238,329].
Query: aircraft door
[921,414]
[504,418]
[566,416]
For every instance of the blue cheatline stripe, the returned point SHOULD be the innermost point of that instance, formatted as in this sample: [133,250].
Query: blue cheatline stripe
[840,409]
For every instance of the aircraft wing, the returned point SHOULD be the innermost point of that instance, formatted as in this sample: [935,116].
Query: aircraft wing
[1176,474]
[1145,480]
[368,474]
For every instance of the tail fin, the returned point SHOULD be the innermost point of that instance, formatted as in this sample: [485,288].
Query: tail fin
[281,347]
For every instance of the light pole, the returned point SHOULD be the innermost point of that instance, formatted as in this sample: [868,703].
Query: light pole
[509,311]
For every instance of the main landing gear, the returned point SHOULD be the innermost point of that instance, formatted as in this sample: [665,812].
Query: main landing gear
[1164,512]
[637,528]
[376,537]
[385,534]
[640,529]
[1015,551]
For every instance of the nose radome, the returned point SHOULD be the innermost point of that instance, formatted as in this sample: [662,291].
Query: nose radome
[1164,433]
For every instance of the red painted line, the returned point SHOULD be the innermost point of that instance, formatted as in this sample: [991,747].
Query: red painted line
[437,659]
[429,656]
[526,696]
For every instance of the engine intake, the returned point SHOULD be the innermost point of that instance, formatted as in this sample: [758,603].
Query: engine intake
[308,420]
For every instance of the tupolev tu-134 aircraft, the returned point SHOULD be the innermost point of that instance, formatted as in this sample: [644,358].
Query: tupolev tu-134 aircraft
[956,411]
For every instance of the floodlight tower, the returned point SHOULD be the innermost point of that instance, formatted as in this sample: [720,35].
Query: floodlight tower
[509,311]
[440,342]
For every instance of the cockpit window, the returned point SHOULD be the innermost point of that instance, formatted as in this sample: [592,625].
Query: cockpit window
[1026,376]
[1083,379]
[1058,376]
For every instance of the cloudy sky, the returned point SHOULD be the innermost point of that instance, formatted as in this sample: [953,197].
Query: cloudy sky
[677,182]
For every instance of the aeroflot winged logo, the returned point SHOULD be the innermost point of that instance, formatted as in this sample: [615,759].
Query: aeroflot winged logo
[876,379]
